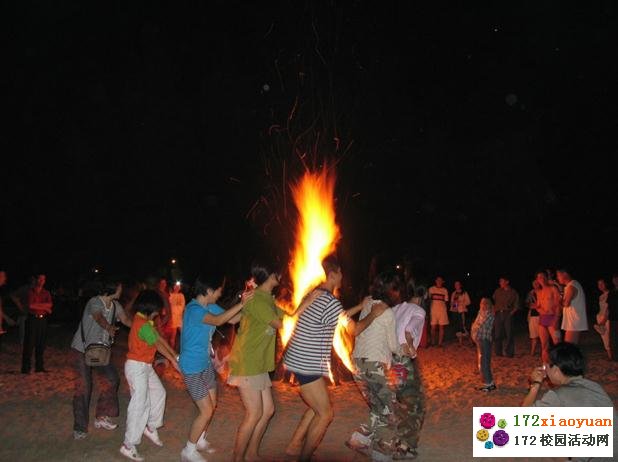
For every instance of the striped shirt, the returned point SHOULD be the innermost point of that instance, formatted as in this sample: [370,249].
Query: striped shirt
[309,348]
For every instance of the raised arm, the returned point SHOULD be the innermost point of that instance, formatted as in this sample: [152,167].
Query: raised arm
[229,315]
[166,350]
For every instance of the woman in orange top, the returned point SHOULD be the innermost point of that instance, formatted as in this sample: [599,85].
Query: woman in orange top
[145,412]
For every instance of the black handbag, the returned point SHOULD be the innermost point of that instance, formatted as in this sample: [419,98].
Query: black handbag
[98,353]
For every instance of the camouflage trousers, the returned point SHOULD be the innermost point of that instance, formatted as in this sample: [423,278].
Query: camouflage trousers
[396,406]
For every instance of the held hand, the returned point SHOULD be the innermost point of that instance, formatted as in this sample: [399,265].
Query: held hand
[366,301]
[246,296]
[111,330]
[537,374]
[311,296]
[377,309]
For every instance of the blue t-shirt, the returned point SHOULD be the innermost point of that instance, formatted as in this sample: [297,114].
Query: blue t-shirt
[195,337]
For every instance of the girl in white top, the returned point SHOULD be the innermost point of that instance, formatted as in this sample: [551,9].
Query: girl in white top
[459,304]
[602,325]
[374,346]
[574,318]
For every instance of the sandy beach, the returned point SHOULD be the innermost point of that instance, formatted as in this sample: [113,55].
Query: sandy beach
[36,413]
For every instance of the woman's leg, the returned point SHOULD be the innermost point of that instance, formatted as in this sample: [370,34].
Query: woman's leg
[298,438]
[268,409]
[544,336]
[200,423]
[316,396]
[252,400]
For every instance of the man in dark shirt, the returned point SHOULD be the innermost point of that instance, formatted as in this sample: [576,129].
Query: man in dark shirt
[39,308]
[506,303]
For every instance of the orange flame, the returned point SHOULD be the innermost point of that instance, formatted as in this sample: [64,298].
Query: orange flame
[316,236]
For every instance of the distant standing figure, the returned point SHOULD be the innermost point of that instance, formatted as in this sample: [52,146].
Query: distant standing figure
[548,306]
[177,307]
[482,330]
[603,326]
[506,302]
[459,304]
[20,298]
[39,308]
[437,310]
[533,316]
[574,318]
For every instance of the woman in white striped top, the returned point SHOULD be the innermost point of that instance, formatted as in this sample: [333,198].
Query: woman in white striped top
[373,350]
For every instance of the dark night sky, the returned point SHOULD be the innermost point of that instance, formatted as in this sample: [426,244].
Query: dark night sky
[471,138]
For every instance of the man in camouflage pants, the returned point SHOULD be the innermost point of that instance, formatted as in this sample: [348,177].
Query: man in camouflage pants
[396,406]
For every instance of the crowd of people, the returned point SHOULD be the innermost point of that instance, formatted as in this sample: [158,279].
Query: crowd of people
[391,328]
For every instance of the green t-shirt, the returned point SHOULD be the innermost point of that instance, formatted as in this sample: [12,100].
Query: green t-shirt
[253,352]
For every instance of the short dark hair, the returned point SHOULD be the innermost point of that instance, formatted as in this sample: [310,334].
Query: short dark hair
[203,284]
[147,302]
[261,271]
[105,287]
[382,284]
[568,358]
[330,264]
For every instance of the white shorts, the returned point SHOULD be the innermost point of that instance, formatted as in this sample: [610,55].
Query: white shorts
[439,316]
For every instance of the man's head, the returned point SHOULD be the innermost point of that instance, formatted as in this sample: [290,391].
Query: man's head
[458,285]
[210,288]
[332,270]
[503,282]
[566,361]
[439,281]
[386,287]
[563,276]
[162,285]
[541,278]
[265,274]
[40,280]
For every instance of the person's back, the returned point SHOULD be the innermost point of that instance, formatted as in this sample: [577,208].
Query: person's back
[579,392]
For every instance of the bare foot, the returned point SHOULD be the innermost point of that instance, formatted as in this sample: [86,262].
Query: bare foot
[252,458]
[293,450]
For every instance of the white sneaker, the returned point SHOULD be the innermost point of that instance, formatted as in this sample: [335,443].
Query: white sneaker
[191,456]
[131,453]
[105,422]
[77,435]
[203,444]
[153,436]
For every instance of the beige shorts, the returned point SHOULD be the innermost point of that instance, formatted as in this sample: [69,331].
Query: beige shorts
[254,382]
[439,315]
